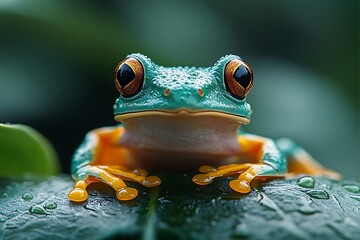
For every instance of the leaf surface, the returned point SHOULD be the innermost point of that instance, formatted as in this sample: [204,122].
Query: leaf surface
[179,209]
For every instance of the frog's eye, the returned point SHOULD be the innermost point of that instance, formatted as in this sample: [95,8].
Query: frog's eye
[129,77]
[238,78]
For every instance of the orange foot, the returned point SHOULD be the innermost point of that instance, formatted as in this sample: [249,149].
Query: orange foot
[113,176]
[247,172]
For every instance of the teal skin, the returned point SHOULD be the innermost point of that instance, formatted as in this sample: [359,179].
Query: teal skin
[184,83]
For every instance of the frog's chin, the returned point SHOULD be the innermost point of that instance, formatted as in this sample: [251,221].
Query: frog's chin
[184,133]
[183,112]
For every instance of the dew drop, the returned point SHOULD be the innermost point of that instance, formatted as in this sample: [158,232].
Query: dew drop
[355,197]
[318,194]
[306,182]
[37,209]
[27,196]
[51,205]
[352,188]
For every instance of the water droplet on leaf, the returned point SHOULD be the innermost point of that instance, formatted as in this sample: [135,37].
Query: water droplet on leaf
[27,196]
[318,194]
[306,182]
[37,209]
[355,197]
[51,205]
[352,188]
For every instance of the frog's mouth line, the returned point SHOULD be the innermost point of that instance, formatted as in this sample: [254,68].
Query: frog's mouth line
[182,112]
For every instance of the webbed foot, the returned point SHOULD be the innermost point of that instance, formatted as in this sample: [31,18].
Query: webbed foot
[113,176]
[247,172]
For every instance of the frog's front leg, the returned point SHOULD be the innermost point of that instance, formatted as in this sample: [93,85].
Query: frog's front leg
[267,161]
[99,158]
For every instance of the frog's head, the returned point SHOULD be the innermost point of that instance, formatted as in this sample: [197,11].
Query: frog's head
[147,89]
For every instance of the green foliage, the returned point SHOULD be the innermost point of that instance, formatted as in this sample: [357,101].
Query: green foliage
[24,150]
[179,209]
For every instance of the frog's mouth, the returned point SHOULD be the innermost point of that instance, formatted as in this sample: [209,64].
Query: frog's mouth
[183,112]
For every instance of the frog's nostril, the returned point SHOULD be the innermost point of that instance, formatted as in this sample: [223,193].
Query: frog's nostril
[201,92]
[167,92]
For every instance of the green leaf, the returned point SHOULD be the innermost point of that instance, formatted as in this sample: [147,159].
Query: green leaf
[24,150]
[179,209]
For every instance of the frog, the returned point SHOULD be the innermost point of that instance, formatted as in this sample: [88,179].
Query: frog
[189,118]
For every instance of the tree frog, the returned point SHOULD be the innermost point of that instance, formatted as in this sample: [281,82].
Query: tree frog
[183,118]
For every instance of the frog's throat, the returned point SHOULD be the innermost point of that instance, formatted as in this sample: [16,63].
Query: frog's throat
[192,137]
[182,112]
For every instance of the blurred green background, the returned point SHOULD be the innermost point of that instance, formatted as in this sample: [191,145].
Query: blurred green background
[57,60]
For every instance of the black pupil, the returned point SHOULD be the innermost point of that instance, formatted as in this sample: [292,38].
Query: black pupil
[125,75]
[242,76]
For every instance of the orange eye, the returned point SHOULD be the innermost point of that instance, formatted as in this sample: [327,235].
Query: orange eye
[129,77]
[238,78]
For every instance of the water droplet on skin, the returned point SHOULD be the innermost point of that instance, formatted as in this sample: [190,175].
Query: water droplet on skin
[51,205]
[352,188]
[306,182]
[318,194]
[37,209]
[27,196]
